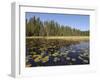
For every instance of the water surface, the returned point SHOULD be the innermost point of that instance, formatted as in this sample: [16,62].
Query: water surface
[54,53]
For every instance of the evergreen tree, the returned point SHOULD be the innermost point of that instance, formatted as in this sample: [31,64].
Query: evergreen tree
[36,27]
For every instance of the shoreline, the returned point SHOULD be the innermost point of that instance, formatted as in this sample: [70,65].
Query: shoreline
[74,38]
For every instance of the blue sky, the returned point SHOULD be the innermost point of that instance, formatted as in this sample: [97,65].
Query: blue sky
[75,21]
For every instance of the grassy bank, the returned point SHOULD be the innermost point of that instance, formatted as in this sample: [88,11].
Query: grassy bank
[74,38]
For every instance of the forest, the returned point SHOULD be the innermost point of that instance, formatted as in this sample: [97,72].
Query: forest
[37,27]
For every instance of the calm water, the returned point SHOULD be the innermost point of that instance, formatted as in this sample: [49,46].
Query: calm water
[73,54]
[78,52]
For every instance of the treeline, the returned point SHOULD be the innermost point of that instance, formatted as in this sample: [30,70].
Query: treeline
[36,27]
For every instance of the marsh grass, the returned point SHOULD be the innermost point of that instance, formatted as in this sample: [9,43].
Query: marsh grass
[60,37]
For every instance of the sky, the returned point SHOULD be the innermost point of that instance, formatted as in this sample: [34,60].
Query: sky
[74,21]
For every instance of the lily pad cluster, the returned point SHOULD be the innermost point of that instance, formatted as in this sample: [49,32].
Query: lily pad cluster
[54,52]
